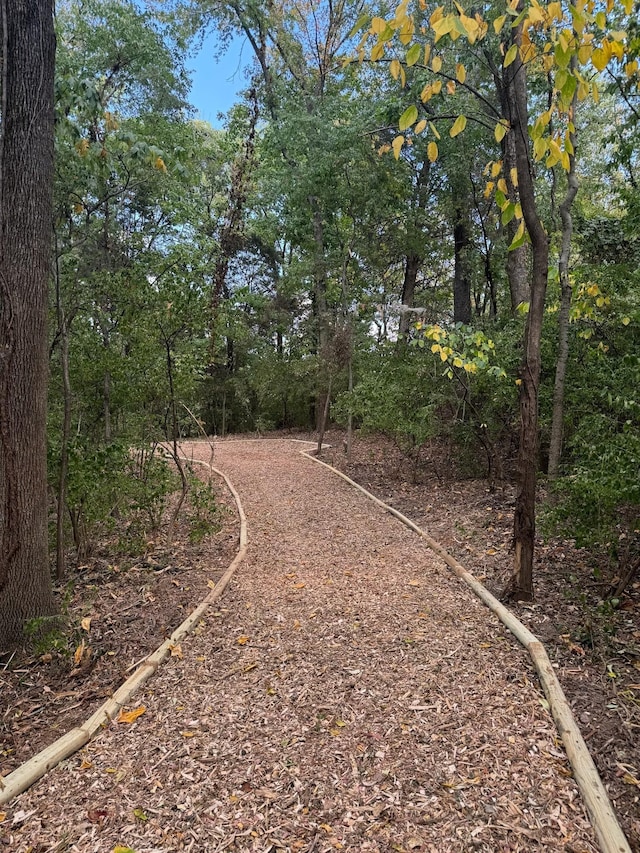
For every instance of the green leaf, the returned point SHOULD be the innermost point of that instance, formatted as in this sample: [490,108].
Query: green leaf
[520,238]
[413,54]
[408,117]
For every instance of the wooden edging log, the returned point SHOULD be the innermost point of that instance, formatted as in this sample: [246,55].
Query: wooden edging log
[594,794]
[24,776]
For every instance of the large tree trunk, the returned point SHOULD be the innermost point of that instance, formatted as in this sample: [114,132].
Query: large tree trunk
[26,180]
[524,525]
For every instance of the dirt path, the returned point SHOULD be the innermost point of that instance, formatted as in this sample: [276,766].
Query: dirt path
[349,694]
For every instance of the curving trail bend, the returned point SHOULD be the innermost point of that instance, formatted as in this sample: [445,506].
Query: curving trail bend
[346,693]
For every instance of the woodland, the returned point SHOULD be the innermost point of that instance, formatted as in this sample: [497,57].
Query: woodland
[419,223]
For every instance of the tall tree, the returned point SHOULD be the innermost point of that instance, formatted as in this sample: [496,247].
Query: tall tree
[26,179]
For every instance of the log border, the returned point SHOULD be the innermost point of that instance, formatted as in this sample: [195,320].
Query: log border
[594,794]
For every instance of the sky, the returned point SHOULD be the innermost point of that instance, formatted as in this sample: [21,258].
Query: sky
[216,82]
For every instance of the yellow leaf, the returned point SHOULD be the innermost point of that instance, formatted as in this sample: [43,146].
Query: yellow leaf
[432,152]
[496,168]
[86,765]
[461,73]
[120,849]
[498,24]
[394,69]
[377,52]
[458,126]
[300,585]
[599,59]
[397,144]
[378,25]
[82,146]
[188,734]
[86,623]
[78,654]
[501,131]
[625,321]
[451,87]
[491,551]
[242,641]
[513,174]
[502,186]
[420,126]
[211,584]
[176,651]
[159,164]
[3,816]
[436,64]
[78,207]
[511,55]
[131,716]
[334,732]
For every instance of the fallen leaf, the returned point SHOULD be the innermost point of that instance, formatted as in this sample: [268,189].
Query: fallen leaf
[414,583]
[86,623]
[491,551]
[296,624]
[86,765]
[211,584]
[299,585]
[97,815]
[188,734]
[120,849]
[242,641]
[139,813]
[334,732]
[176,651]
[131,716]
[3,816]
[78,654]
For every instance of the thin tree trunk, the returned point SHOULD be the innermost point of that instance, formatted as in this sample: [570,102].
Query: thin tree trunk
[411,269]
[350,415]
[555,442]
[524,525]
[27,57]
[461,278]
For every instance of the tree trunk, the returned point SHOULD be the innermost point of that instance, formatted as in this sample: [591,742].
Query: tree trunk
[26,180]
[63,327]
[524,525]
[411,269]
[461,278]
[518,259]
[555,442]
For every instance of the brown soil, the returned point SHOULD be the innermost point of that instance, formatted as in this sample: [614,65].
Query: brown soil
[133,602]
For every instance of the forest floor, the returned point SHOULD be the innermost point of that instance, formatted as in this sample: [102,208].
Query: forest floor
[348,692]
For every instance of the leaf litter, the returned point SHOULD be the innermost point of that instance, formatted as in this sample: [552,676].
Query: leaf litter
[327,730]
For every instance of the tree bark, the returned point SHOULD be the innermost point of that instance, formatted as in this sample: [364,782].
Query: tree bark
[461,278]
[524,526]
[63,330]
[555,442]
[26,180]
[411,269]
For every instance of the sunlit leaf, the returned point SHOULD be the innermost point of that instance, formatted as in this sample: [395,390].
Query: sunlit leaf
[131,716]
[432,152]
[458,126]
[511,55]
[397,144]
[408,117]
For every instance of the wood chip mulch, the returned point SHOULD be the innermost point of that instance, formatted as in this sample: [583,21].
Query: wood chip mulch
[347,694]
